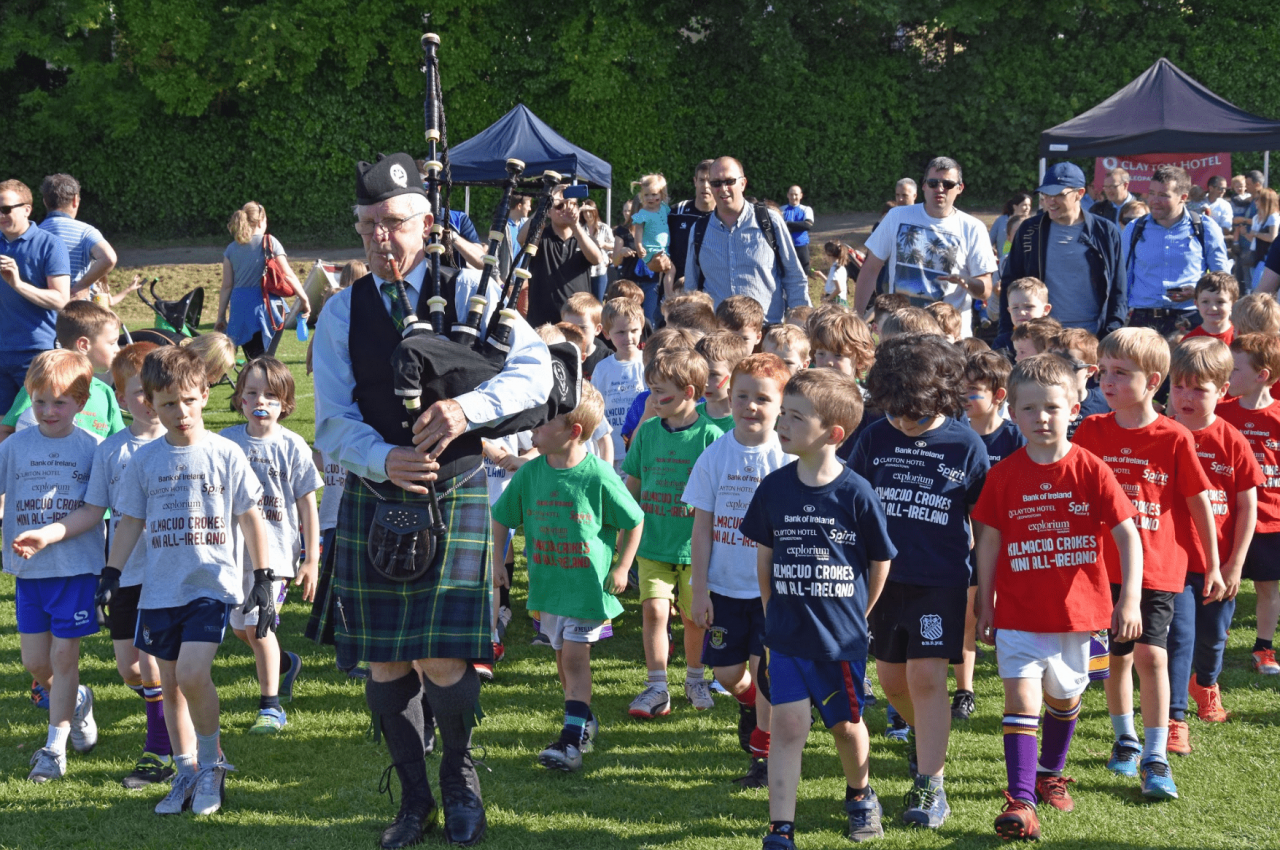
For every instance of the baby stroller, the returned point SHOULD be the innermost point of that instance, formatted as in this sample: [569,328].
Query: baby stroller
[175,321]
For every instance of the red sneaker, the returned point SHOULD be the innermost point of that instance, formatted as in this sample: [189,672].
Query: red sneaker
[1179,738]
[484,670]
[1053,790]
[1208,702]
[1017,820]
[1264,662]
[499,652]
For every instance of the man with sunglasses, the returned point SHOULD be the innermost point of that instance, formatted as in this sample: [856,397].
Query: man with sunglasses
[736,257]
[36,274]
[1115,192]
[933,251]
[563,263]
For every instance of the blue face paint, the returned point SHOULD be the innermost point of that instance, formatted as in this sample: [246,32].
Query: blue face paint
[974,397]
[261,414]
[924,421]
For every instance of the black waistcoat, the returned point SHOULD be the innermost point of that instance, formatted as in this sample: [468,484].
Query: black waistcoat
[371,341]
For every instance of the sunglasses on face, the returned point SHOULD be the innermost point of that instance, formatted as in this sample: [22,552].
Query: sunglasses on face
[6,210]
[948,185]
[562,203]
[720,184]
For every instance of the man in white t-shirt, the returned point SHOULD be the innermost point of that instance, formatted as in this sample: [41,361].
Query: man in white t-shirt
[933,251]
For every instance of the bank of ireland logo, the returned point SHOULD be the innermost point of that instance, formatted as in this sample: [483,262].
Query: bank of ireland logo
[1046,486]
[931,627]
[808,509]
[920,444]
[715,635]
[1126,451]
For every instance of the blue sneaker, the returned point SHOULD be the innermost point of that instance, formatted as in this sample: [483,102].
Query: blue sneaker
[1157,781]
[39,696]
[864,818]
[778,841]
[269,722]
[1124,758]
[925,806]
[287,677]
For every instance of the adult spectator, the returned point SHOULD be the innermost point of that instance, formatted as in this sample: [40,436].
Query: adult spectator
[1254,181]
[37,275]
[600,233]
[243,314]
[904,192]
[737,256]
[1165,252]
[1216,205]
[92,256]
[685,215]
[1270,280]
[1018,206]
[439,622]
[1115,191]
[1075,253]
[563,263]
[799,219]
[517,215]
[1263,229]
[933,251]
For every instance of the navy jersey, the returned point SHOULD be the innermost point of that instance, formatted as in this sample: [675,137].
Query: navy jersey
[823,540]
[927,485]
[1003,441]
[1094,403]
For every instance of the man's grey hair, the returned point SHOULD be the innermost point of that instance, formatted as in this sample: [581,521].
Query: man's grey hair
[1120,174]
[944,163]
[1257,177]
[416,203]
[906,182]
[1174,178]
[59,191]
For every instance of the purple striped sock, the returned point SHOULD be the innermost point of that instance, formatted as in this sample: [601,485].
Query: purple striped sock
[157,733]
[1059,726]
[1020,755]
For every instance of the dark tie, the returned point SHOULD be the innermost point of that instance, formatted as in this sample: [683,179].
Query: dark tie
[397,311]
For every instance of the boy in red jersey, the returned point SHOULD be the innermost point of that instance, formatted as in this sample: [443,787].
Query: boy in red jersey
[1041,521]
[1257,366]
[1154,459]
[1200,373]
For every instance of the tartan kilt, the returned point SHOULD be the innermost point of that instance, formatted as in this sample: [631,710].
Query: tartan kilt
[444,615]
[320,623]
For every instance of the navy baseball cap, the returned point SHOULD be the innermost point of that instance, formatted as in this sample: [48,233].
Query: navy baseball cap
[1063,176]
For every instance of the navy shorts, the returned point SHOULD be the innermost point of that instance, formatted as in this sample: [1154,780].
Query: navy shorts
[916,621]
[1156,607]
[122,613]
[161,632]
[1262,563]
[737,633]
[833,687]
[61,605]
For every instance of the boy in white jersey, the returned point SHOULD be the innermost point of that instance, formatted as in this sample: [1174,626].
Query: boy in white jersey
[620,377]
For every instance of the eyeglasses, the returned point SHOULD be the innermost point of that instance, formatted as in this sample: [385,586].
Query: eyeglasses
[948,185]
[366,227]
[5,210]
[564,202]
[720,184]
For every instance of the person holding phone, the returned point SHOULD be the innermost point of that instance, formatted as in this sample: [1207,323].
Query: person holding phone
[563,263]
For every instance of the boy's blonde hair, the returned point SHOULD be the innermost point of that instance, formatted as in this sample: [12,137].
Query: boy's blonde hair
[683,367]
[127,363]
[668,339]
[278,378]
[1145,348]
[723,347]
[1039,330]
[549,333]
[173,368]
[692,314]
[798,315]
[583,304]
[842,332]
[971,345]
[948,318]
[908,320]
[1200,360]
[1223,282]
[216,350]
[620,308]
[835,397]
[1078,340]
[624,289]
[740,313]
[988,367]
[789,336]
[1033,286]
[572,333]
[1042,370]
[1256,314]
[83,319]
[1263,351]
[61,372]
[589,412]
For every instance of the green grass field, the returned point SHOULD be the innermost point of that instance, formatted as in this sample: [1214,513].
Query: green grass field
[665,783]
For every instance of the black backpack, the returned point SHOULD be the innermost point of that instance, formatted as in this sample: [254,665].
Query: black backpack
[700,230]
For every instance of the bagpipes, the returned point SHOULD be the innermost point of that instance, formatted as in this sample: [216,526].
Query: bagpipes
[454,352]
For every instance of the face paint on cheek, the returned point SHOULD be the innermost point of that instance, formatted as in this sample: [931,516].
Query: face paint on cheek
[725,381]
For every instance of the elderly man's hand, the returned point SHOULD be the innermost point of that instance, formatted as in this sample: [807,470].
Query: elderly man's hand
[439,426]
[409,469]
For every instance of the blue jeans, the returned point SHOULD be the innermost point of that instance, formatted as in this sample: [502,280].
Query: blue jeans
[652,289]
[599,283]
[1197,638]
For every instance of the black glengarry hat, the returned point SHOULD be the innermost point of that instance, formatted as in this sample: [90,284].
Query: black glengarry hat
[387,177]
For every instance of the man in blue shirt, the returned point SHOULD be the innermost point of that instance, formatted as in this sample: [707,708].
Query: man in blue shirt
[1165,252]
[92,256]
[37,276]
[799,219]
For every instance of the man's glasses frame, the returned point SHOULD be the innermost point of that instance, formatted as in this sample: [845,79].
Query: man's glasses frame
[935,182]
[367,228]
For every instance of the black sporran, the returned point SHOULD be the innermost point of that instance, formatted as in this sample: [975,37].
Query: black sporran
[401,545]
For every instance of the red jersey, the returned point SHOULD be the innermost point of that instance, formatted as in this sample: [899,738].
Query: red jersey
[1225,337]
[1262,429]
[1158,469]
[1052,519]
[1228,462]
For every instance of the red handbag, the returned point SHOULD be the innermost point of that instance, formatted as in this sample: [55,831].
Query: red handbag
[275,282]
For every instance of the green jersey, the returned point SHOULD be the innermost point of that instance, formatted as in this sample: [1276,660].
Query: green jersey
[101,414]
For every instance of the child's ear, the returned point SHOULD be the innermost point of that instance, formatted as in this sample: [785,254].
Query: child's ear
[1048,308]
[1264,375]
[576,430]
[692,392]
[1000,395]
[82,344]
[837,434]
[1092,370]
[1154,380]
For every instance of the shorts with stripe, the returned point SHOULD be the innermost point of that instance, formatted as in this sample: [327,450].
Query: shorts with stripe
[833,687]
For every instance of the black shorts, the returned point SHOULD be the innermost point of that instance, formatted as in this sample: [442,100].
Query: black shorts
[1157,613]
[122,613]
[914,621]
[1262,563]
[737,633]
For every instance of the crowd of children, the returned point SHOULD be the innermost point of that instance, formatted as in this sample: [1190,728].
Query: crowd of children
[793,499]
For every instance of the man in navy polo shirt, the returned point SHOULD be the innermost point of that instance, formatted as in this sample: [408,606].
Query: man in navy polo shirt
[36,272]
[1165,252]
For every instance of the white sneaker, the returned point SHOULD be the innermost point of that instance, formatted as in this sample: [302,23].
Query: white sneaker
[590,731]
[210,788]
[651,703]
[47,764]
[84,729]
[178,799]
[699,693]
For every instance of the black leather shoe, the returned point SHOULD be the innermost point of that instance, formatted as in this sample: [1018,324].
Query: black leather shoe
[464,820]
[416,819]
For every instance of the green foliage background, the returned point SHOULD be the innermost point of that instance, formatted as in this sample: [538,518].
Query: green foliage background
[172,113]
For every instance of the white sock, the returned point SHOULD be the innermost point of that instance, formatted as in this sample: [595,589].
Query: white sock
[185,764]
[208,752]
[57,740]
[695,674]
[657,679]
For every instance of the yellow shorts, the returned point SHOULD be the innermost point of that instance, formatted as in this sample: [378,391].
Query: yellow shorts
[661,580]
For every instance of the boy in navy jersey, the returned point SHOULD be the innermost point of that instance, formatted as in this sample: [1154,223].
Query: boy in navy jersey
[928,469]
[823,555]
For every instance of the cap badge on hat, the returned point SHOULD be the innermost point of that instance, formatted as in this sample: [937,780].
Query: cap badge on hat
[398,176]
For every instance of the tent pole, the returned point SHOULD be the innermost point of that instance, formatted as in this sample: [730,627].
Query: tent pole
[1041,170]
[466,203]
[608,205]
[1266,167]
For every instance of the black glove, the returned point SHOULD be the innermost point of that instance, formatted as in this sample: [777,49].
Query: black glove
[108,587]
[260,597]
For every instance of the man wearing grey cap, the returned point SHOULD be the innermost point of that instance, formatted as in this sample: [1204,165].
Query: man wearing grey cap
[437,623]
[1075,253]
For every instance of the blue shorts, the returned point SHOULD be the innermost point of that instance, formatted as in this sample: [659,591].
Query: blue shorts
[62,605]
[737,633]
[834,687]
[162,631]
